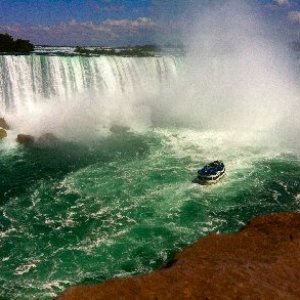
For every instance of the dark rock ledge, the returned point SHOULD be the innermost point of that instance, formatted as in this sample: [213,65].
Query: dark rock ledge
[262,261]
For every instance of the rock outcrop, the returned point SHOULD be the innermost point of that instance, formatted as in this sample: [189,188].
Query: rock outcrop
[3,133]
[119,129]
[262,261]
[47,138]
[25,139]
[3,124]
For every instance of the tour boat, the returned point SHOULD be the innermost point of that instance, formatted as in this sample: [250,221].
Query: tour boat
[210,173]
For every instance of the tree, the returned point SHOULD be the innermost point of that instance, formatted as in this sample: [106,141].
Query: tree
[7,44]
[23,46]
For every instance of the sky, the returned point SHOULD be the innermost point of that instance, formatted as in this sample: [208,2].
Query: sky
[124,22]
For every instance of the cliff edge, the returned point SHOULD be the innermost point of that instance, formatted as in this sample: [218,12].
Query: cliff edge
[262,261]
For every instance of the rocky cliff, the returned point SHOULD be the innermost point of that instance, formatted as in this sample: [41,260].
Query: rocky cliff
[262,261]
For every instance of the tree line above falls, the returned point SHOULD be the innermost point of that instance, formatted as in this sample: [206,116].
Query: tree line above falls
[141,51]
[9,45]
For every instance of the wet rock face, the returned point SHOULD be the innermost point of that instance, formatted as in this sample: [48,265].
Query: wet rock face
[119,129]
[25,139]
[262,261]
[3,133]
[47,138]
[3,124]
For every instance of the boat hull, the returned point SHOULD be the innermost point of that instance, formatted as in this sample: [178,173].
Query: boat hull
[207,180]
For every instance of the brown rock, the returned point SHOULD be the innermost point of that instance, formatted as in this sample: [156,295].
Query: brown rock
[3,133]
[3,124]
[25,139]
[262,261]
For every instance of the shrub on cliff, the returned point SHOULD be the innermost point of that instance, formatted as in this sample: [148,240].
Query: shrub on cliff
[7,44]
[81,50]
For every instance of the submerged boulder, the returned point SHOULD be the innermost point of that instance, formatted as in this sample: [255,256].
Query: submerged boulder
[119,129]
[3,124]
[47,138]
[3,133]
[25,139]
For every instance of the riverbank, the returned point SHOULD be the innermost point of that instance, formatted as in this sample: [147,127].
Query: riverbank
[261,261]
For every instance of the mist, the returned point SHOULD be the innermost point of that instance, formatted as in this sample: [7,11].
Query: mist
[237,75]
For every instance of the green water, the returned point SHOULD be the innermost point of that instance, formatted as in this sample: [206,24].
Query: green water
[85,212]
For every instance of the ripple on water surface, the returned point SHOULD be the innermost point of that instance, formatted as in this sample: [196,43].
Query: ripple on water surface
[76,213]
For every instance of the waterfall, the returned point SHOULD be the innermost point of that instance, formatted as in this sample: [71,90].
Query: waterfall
[31,79]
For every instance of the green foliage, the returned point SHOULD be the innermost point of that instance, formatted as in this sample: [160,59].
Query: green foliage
[23,46]
[7,44]
[80,50]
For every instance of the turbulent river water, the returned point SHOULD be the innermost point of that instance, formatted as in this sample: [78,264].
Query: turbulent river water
[107,201]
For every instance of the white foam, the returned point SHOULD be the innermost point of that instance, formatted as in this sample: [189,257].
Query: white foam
[25,268]
[5,258]
[4,234]
[238,152]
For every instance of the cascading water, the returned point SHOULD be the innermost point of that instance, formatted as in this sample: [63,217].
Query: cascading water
[28,80]
[49,89]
